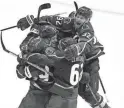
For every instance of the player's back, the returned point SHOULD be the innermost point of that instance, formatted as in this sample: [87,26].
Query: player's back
[67,71]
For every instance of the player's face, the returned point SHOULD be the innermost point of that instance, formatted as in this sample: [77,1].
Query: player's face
[53,41]
[79,20]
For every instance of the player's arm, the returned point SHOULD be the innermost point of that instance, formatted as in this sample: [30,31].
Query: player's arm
[40,80]
[87,44]
[25,22]
[62,23]
[50,83]
[20,68]
[90,46]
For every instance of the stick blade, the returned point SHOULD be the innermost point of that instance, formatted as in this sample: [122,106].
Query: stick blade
[45,6]
[76,5]
[41,7]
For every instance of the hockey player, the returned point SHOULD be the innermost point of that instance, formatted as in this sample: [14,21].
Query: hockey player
[87,44]
[46,92]
[92,67]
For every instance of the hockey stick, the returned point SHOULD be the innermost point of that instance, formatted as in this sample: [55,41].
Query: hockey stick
[94,9]
[76,5]
[8,28]
[93,95]
[35,66]
[16,25]
[103,88]
[43,6]
[12,53]
[4,48]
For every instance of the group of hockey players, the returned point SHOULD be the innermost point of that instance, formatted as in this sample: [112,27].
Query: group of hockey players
[65,56]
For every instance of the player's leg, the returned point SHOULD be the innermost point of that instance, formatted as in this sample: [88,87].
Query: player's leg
[35,98]
[92,67]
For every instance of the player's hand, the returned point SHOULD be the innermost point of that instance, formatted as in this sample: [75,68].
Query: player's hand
[20,71]
[71,52]
[85,78]
[25,22]
[34,74]
[21,60]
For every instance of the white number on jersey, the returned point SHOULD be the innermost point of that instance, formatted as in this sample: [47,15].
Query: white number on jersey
[75,75]
[44,77]
[59,21]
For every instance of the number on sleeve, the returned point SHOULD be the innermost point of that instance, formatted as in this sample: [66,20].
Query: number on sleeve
[59,21]
[45,76]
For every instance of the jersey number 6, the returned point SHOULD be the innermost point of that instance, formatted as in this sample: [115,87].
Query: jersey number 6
[76,75]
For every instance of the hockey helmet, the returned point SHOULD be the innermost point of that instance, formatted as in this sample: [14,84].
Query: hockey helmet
[48,31]
[84,11]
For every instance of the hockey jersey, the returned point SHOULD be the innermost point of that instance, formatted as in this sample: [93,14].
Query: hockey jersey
[90,46]
[64,70]
[69,72]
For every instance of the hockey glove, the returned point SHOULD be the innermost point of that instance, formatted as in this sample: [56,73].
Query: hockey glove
[20,71]
[85,78]
[25,22]
[21,60]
